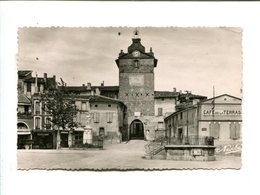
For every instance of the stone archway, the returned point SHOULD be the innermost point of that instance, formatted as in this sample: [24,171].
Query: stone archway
[22,125]
[136,130]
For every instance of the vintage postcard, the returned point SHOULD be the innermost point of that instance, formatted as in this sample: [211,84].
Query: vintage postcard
[124,98]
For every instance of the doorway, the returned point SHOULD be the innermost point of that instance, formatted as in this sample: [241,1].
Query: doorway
[136,130]
[64,140]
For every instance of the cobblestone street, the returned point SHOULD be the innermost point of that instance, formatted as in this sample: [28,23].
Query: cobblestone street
[115,156]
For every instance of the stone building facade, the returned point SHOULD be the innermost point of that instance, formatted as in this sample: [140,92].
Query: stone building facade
[136,88]
[34,126]
[219,117]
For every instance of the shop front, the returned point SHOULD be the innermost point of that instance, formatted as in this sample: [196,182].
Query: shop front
[42,139]
[24,136]
[221,118]
[24,140]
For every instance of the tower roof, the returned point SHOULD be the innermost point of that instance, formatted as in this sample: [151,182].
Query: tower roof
[136,45]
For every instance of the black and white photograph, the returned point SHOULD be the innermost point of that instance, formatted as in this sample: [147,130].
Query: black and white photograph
[129,98]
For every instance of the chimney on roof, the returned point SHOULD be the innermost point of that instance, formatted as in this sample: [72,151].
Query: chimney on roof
[45,78]
[36,83]
[97,92]
[174,89]
[83,85]
[103,83]
[89,86]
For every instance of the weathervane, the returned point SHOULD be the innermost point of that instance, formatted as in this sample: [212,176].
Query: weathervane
[136,33]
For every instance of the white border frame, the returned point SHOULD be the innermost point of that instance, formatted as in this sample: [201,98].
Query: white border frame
[185,14]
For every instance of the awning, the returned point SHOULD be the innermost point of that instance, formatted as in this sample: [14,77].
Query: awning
[24,132]
[79,129]
[42,131]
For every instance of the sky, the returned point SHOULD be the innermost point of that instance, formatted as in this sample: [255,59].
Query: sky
[193,59]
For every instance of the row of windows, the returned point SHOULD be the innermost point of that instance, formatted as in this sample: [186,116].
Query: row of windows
[182,115]
[96,117]
[138,94]
[234,130]
[39,86]
[78,135]
[84,106]
[214,130]
[38,105]
[38,123]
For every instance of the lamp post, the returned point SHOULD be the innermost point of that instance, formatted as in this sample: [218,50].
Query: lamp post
[187,134]
[187,120]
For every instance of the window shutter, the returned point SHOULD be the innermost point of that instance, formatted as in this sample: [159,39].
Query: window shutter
[214,130]
[96,117]
[234,130]
[237,130]
[109,117]
[159,111]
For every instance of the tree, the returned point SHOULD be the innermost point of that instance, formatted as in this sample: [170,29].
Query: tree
[60,105]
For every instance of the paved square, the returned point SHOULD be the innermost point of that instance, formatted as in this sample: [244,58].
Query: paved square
[124,156]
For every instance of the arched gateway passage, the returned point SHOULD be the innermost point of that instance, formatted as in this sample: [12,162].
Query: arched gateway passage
[136,130]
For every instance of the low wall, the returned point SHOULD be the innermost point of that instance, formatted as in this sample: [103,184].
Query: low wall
[190,152]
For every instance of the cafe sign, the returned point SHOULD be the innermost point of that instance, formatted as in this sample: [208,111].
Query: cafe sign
[222,112]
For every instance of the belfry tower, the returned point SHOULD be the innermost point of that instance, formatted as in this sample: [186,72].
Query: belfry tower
[136,86]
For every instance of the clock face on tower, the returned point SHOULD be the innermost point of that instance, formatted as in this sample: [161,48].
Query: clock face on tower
[136,53]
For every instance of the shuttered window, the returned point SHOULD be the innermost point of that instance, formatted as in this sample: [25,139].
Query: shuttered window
[96,117]
[109,116]
[84,106]
[37,122]
[37,107]
[48,123]
[214,130]
[160,111]
[29,87]
[234,129]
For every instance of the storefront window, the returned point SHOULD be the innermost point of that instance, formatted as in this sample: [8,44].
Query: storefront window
[78,137]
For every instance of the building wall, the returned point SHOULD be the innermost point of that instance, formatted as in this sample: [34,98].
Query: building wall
[102,111]
[167,105]
[136,86]
[32,92]
[185,120]
[149,123]
[222,112]
[225,124]
[225,114]
[224,130]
